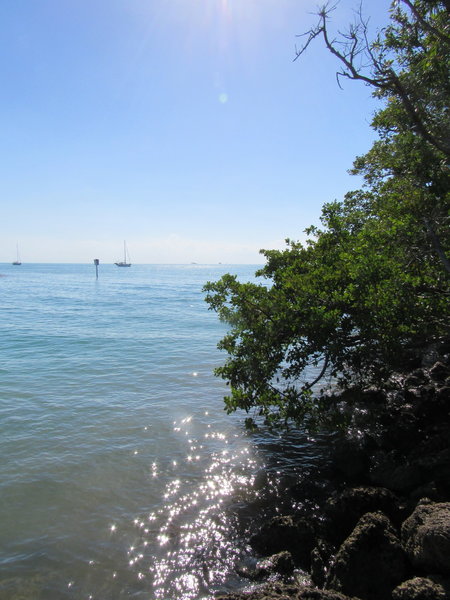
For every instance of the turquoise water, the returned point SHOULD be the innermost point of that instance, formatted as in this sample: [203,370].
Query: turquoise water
[119,469]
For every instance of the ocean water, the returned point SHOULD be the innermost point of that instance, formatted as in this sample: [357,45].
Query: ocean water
[121,476]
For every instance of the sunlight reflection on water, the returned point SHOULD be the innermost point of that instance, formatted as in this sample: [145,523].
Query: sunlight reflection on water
[187,547]
[104,496]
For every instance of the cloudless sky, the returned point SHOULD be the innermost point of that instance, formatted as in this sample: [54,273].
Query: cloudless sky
[182,126]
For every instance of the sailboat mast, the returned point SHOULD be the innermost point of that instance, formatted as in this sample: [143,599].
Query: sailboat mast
[17,261]
[124,263]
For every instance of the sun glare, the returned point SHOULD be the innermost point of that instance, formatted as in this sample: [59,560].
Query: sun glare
[216,38]
[224,23]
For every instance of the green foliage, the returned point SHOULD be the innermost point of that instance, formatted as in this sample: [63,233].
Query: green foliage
[372,286]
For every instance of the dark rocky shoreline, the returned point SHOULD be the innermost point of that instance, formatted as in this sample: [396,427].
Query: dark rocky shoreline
[376,526]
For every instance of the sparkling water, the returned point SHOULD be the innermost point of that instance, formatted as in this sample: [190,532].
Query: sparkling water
[119,469]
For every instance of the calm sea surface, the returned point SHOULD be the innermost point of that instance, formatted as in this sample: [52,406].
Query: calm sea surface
[120,474]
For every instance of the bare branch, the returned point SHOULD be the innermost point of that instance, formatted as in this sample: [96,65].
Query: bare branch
[380,73]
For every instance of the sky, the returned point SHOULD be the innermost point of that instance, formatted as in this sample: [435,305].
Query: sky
[184,127]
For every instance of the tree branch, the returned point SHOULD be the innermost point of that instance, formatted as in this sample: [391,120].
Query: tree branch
[321,374]
[384,77]
[425,24]
[437,245]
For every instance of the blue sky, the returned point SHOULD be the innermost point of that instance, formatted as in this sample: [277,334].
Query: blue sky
[182,126]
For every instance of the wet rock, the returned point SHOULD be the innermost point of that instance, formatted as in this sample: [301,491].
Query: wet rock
[350,459]
[285,533]
[429,490]
[439,372]
[321,557]
[406,458]
[431,355]
[443,394]
[426,537]
[436,439]
[344,509]
[396,475]
[279,564]
[370,562]
[436,465]
[432,405]
[420,588]
[313,489]
[286,592]
[427,392]
[416,378]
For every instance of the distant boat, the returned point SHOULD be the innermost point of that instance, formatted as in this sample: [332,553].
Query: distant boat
[17,261]
[126,258]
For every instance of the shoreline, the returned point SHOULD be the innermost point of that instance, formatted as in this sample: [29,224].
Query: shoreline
[375,523]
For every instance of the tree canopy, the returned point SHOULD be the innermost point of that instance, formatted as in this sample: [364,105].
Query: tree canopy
[371,287]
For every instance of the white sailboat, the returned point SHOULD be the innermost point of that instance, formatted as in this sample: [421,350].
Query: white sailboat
[17,261]
[126,257]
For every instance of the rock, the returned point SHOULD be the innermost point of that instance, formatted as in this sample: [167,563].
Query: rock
[396,475]
[420,588]
[279,591]
[401,431]
[313,489]
[404,450]
[431,404]
[435,469]
[443,394]
[431,354]
[278,564]
[415,378]
[426,537]
[320,563]
[370,562]
[350,459]
[281,564]
[283,533]
[439,372]
[343,510]
[435,440]
[429,490]
[434,463]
